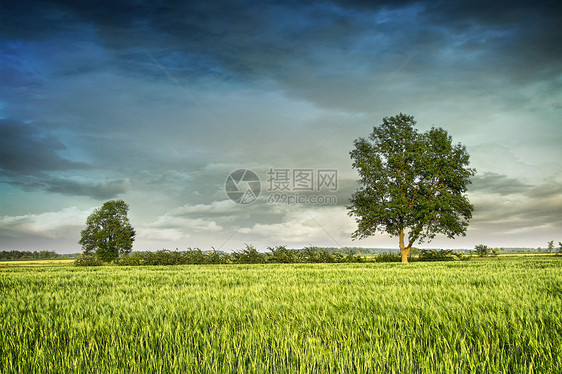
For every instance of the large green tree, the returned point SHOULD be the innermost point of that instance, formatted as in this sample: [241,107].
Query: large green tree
[412,184]
[108,232]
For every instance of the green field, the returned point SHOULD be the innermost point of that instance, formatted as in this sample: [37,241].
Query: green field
[497,316]
[57,262]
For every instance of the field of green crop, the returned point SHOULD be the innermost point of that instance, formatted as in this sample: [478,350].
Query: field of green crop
[494,316]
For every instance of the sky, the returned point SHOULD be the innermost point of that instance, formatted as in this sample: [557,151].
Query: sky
[157,103]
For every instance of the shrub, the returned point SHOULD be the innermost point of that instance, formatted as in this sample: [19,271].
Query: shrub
[280,254]
[194,256]
[88,260]
[388,257]
[351,256]
[249,255]
[482,250]
[316,255]
[437,255]
[132,259]
[217,257]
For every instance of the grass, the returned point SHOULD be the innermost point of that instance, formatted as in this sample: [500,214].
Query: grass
[500,316]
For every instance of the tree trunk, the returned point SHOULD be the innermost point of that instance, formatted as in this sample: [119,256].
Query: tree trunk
[403,250]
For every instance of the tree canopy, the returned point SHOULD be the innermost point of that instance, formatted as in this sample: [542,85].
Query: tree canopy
[411,184]
[108,233]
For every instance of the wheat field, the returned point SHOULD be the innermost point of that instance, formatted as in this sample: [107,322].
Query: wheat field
[495,316]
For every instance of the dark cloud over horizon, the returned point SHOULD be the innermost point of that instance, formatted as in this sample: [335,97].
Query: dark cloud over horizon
[23,149]
[28,158]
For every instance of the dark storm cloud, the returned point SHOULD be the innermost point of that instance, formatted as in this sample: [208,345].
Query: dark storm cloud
[281,40]
[550,189]
[494,183]
[519,213]
[526,207]
[24,149]
[104,190]
[97,190]
[525,34]
[335,55]
[28,158]
[497,184]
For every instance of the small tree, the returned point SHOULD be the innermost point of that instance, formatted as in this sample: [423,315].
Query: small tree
[411,183]
[551,246]
[108,233]
[482,250]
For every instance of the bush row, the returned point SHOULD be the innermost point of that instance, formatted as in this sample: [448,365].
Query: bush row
[440,255]
[422,255]
[250,255]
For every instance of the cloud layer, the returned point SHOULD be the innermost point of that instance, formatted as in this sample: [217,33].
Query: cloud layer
[157,103]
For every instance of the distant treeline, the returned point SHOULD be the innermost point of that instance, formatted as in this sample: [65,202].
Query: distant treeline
[250,255]
[27,255]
